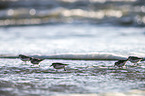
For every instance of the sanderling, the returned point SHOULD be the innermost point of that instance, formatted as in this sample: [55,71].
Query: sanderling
[24,58]
[36,61]
[59,66]
[120,63]
[134,59]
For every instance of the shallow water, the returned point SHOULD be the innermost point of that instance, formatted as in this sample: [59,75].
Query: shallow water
[85,77]
[80,77]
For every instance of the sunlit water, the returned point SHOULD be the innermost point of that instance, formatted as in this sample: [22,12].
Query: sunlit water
[81,76]
[29,12]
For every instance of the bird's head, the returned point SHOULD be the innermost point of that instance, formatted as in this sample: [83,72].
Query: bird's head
[129,57]
[31,58]
[116,63]
[20,55]
[52,65]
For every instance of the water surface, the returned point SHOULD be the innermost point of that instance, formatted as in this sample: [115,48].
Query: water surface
[82,76]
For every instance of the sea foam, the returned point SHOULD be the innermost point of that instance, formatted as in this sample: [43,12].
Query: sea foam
[75,56]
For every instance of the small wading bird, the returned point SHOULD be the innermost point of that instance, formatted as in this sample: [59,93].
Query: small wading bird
[36,61]
[120,63]
[24,58]
[134,59]
[59,66]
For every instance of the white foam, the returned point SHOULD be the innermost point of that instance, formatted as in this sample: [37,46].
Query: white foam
[85,56]
[75,56]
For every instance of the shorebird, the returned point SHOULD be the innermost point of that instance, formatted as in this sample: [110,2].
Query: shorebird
[36,61]
[59,66]
[120,63]
[24,58]
[134,59]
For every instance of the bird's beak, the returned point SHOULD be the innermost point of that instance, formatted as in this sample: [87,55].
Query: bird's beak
[50,65]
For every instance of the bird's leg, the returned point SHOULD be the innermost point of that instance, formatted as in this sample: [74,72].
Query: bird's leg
[64,69]
[126,67]
[31,65]
[115,67]
[135,64]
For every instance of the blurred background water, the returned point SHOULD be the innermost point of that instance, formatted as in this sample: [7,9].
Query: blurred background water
[120,12]
[72,27]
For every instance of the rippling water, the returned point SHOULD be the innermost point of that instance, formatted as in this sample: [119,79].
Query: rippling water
[80,77]
[85,77]
[86,34]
